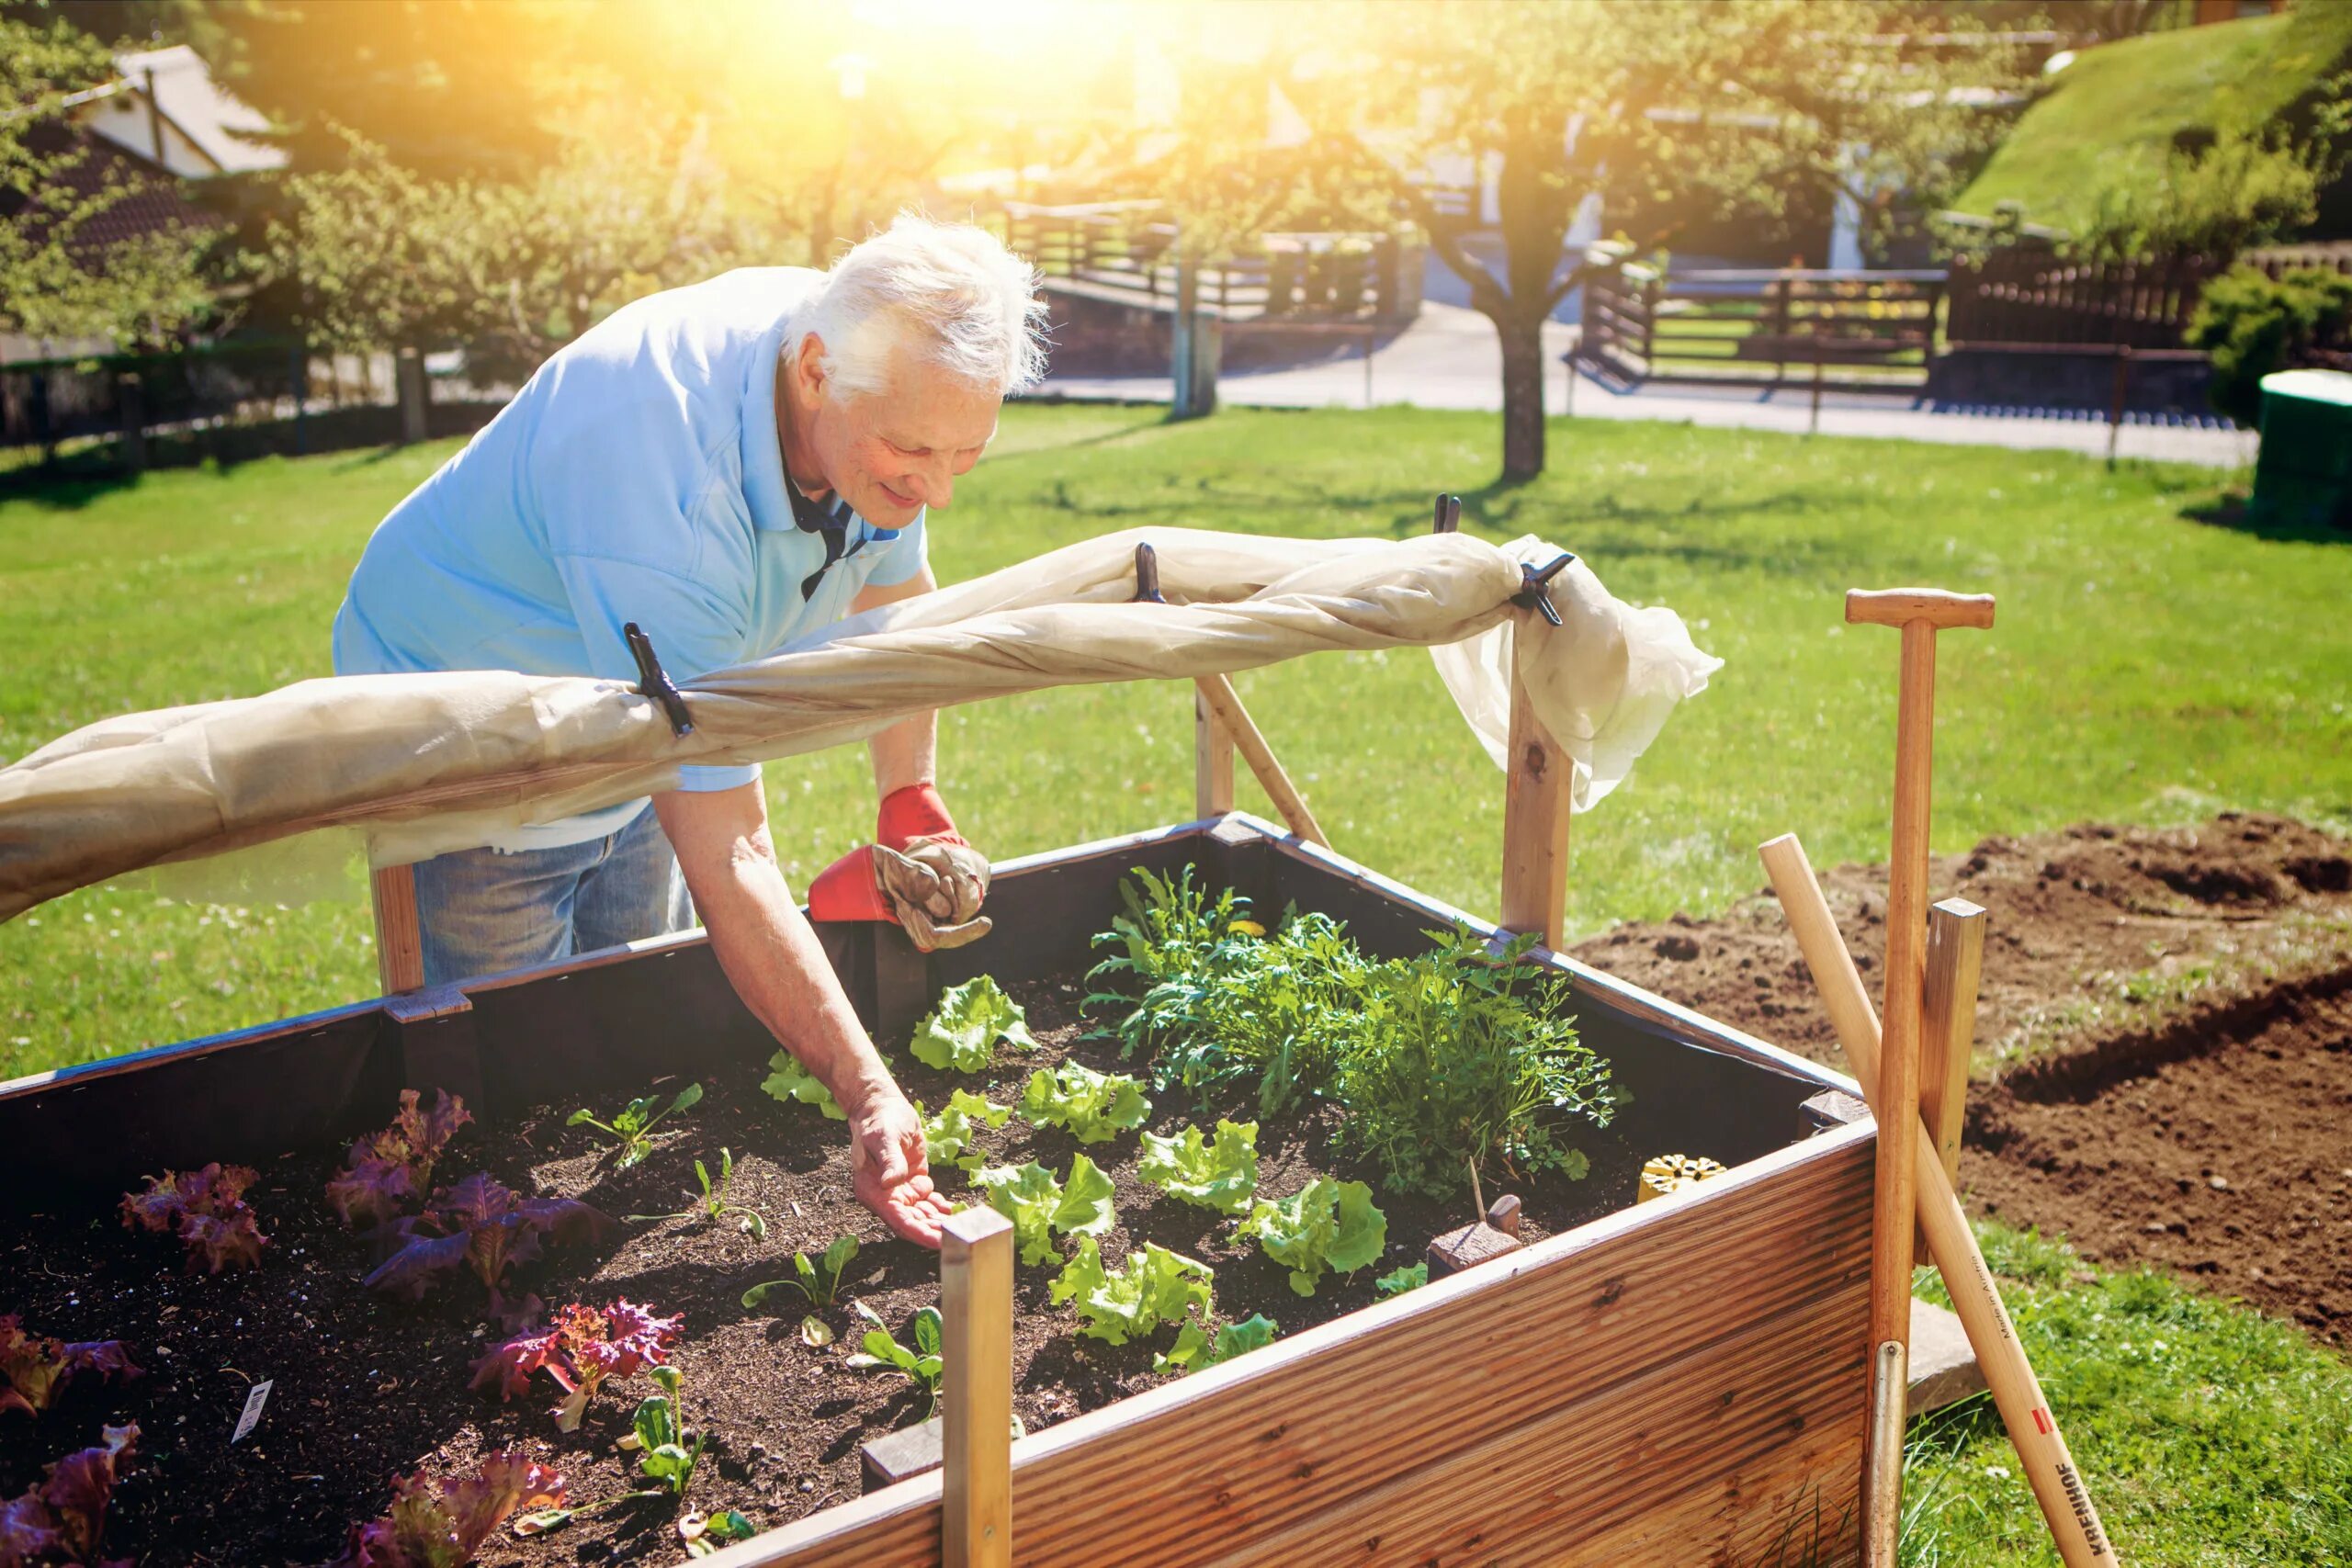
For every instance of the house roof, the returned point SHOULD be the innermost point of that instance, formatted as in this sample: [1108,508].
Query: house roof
[196,108]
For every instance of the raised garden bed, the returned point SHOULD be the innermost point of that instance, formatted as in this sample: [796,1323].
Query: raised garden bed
[1688,1371]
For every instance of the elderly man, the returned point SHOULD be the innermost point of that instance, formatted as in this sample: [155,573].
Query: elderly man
[731,465]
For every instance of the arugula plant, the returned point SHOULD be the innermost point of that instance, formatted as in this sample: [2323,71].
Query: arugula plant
[1155,1287]
[581,1349]
[35,1368]
[439,1524]
[1196,1347]
[1219,1174]
[207,1209]
[1038,1206]
[788,1081]
[632,1129]
[1329,1224]
[1094,1107]
[921,1365]
[1396,1281]
[64,1518]
[389,1172]
[819,1283]
[481,1224]
[714,1205]
[663,1456]
[962,1032]
[949,1138]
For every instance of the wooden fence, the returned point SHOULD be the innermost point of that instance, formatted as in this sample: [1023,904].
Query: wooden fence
[1867,328]
[2028,295]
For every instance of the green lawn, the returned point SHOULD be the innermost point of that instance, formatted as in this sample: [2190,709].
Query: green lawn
[2152,663]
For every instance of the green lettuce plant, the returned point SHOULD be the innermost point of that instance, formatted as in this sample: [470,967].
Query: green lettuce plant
[948,1137]
[1155,1287]
[1038,1206]
[1219,1173]
[1196,1347]
[1329,1225]
[1094,1107]
[1396,1281]
[962,1032]
[787,1081]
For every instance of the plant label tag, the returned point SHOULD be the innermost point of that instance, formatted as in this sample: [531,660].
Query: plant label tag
[250,1416]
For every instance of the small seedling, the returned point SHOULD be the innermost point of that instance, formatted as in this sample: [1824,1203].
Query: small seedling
[714,1205]
[662,1436]
[921,1365]
[1396,1281]
[704,1536]
[632,1129]
[819,1281]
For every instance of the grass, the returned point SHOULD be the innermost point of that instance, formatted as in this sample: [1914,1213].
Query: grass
[2209,1434]
[2151,665]
[2113,113]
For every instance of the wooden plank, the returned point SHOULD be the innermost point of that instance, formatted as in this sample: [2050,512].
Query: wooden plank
[976,1405]
[1535,826]
[1224,704]
[1212,760]
[1350,1406]
[1774,1512]
[1610,1461]
[400,944]
[1948,1027]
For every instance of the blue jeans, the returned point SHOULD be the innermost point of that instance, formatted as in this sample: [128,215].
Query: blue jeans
[482,911]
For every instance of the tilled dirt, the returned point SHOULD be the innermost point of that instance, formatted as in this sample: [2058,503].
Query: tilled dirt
[2180,1002]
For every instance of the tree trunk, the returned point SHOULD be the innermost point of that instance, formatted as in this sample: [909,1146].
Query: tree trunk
[1522,344]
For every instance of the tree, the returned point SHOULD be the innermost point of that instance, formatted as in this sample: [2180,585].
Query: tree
[62,273]
[1670,110]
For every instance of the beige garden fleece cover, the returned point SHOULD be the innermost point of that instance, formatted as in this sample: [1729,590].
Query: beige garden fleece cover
[416,765]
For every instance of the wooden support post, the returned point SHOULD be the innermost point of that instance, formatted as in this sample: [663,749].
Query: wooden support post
[1212,760]
[400,946]
[1224,705]
[1948,1025]
[976,1398]
[1535,826]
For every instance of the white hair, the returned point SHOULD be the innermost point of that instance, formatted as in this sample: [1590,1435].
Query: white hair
[950,291]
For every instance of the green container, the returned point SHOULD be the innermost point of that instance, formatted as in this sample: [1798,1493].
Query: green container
[2304,474]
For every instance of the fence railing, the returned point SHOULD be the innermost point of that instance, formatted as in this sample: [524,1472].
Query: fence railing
[2029,296]
[1128,247]
[1874,328]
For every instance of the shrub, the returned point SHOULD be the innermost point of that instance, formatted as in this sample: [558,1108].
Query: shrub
[2252,325]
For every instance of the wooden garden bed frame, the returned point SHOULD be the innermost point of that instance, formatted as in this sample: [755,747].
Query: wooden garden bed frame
[1680,1382]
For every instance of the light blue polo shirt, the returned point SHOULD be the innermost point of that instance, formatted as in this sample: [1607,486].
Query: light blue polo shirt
[637,477]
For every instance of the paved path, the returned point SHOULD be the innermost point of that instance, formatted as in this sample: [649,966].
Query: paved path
[1448,359]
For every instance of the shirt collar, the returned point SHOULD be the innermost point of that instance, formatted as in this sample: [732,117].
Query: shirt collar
[763,482]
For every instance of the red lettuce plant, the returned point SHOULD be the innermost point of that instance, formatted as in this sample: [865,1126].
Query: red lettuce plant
[391,1171]
[35,1368]
[60,1520]
[441,1524]
[580,1349]
[482,1225]
[207,1208]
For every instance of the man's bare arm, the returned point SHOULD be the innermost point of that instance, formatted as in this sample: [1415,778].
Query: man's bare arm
[773,959]
[906,752]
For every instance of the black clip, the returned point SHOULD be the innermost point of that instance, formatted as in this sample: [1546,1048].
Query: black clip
[1147,578]
[653,683]
[1533,583]
[1449,515]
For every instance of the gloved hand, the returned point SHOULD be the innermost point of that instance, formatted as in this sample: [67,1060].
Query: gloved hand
[920,874]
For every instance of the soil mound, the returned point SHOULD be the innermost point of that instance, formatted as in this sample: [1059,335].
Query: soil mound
[2186,999]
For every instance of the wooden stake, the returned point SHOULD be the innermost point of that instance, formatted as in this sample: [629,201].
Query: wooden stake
[1225,705]
[1535,826]
[1212,760]
[2048,1467]
[975,1395]
[399,945]
[1955,964]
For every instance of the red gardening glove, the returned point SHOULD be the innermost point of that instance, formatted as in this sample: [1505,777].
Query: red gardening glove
[921,875]
[914,812]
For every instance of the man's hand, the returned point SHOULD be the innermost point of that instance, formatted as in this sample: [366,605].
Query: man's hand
[892,1174]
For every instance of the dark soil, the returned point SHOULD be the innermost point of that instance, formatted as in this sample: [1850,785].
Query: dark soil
[2186,997]
[368,1390]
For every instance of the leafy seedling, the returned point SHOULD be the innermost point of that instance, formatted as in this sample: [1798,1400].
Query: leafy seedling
[819,1283]
[950,1138]
[1196,1347]
[921,1365]
[662,1436]
[481,1224]
[632,1129]
[1039,1206]
[433,1523]
[714,1206]
[207,1209]
[580,1349]
[1094,1107]
[35,1368]
[1219,1173]
[1396,1281]
[789,1081]
[62,1519]
[389,1172]
[962,1032]
[1330,1224]
[1157,1286]
[704,1536]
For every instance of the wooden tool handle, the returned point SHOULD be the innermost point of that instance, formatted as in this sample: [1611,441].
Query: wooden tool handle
[1904,606]
[2042,1449]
